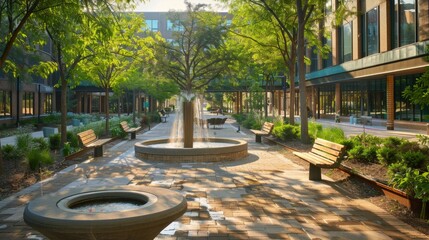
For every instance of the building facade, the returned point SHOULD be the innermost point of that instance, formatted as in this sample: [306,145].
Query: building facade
[376,53]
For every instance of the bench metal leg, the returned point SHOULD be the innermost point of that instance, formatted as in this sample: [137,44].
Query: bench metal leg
[315,173]
[258,138]
[133,135]
[98,151]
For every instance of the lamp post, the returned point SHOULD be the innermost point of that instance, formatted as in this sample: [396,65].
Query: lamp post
[39,101]
[17,101]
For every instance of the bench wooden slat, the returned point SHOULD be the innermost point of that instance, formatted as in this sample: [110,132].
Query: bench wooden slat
[90,140]
[324,154]
[327,150]
[127,129]
[266,130]
[315,159]
[322,161]
[329,144]
[98,142]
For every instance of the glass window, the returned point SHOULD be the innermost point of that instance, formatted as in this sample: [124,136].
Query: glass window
[370,32]
[152,25]
[327,100]
[28,103]
[174,26]
[377,106]
[346,42]
[5,103]
[47,104]
[404,22]
[314,60]
[404,109]
[327,60]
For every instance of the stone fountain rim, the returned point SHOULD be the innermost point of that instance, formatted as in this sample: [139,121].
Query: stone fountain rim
[236,145]
[167,204]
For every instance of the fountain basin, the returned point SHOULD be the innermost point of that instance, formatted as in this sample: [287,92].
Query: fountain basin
[80,213]
[212,150]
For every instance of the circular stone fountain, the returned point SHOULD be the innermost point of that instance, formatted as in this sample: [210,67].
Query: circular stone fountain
[114,212]
[209,150]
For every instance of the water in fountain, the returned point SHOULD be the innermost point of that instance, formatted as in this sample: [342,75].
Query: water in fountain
[107,205]
[200,133]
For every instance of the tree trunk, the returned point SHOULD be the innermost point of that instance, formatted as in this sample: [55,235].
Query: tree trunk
[188,124]
[63,128]
[284,99]
[133,106]
[15,33]
[106,104]
[301,74]
[292,93]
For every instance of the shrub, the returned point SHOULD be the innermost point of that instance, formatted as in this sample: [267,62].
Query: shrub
[37,158]
[333,134]
[67,149]
[251,121]
[117,131]
[414,159]
[364,148]
[387,155]
[286,132]
[55,141]
[11,153]
[348,144]
[40,143]
[356,153]
[72,139]
[24,142]
[314,128]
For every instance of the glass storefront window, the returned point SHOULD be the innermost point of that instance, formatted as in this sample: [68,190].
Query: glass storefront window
[28,103]
[370,31]
[327,100]
[5,103]
[47,105]
[346,42]
[404,109]
[404,22]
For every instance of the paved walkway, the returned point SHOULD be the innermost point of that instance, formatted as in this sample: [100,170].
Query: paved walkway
[263,196]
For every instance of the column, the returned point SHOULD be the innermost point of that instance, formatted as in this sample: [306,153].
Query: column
[337,97]
[390,83]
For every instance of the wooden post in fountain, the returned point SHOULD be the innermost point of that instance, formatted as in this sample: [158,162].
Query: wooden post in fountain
[188,124]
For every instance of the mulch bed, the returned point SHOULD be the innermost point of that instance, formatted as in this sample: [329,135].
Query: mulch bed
[353,187]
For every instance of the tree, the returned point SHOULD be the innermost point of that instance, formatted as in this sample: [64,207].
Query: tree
[298,27]
[273,28]
[419,92]
[115,54]
[70,30]
[15,14]
[196,56]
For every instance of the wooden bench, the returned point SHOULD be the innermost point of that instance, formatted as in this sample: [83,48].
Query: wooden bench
[127,129]
[265,131]
[163,117]
[216,122]
[89,140]
[324,154]
[366,120]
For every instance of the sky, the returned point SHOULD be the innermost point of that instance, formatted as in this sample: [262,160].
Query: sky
[177,5]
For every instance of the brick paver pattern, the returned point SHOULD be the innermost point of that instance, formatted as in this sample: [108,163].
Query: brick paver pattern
[263,196]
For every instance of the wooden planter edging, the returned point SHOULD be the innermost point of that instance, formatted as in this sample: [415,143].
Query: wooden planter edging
[415,205]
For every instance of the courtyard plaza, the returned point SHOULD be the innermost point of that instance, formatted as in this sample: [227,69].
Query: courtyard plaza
[262,196]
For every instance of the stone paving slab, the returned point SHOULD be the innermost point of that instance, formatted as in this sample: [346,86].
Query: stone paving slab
[263,196]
